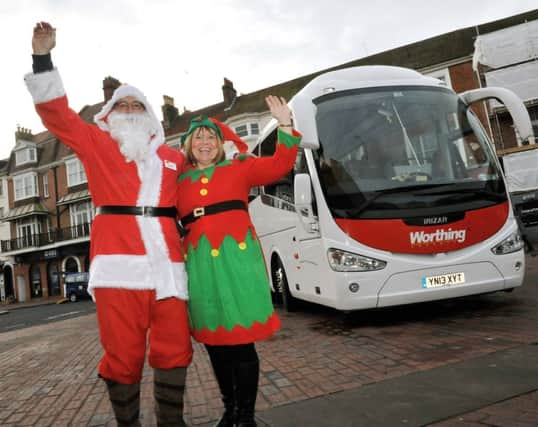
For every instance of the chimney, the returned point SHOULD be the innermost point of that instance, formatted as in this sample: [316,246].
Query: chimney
[23,134]
[228,93]
[110,84]
[170,112]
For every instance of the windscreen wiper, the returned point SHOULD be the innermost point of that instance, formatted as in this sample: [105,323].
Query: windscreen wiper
[368,203]
[462,192]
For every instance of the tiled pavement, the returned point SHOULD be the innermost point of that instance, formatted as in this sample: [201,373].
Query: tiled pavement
[48,376]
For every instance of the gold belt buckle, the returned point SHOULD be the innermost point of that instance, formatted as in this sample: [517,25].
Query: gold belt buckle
[198,212]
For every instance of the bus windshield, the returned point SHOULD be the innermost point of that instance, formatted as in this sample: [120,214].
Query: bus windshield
[403,151]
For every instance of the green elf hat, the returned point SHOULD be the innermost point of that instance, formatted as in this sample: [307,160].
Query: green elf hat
[201,121]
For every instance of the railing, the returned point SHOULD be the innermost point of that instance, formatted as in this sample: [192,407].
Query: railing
[43,239]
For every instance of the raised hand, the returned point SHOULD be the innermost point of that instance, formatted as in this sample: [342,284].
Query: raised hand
[279,110]
[44,38]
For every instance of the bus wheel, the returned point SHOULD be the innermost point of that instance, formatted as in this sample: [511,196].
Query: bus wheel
[281,286]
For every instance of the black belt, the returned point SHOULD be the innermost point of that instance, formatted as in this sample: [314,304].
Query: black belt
[137,210]
[213,209]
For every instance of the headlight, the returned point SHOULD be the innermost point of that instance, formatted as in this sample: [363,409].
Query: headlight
[346,261]
[512,243]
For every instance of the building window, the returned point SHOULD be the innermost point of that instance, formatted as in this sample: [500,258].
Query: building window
[75,173]
[81,213]
[241,130]
[1,187]
[25,155]
[81,216]
[443,75]
[71,265]
[49,229]
[1,212]
[45,186]
[26,231]
[26,186]
[533,113]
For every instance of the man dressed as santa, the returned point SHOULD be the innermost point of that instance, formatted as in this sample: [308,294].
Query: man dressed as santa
[137,275]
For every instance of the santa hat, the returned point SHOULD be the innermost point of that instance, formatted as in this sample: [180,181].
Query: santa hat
[224,133]
[121,92]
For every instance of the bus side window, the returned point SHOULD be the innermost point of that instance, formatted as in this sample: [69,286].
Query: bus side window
[302,167]
[253,193]
[268,145]
[283,188]
[300,163]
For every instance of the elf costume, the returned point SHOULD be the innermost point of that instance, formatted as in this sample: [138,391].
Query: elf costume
[229,292]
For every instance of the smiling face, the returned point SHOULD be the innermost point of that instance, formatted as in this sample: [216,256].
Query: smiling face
[205,147]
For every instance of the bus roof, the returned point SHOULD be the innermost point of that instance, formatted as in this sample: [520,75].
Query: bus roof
[365,77]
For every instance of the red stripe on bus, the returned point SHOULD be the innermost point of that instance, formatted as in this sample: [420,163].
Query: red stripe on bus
[395,236]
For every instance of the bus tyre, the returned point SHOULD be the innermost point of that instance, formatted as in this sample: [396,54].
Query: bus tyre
[281,286]
[73,297]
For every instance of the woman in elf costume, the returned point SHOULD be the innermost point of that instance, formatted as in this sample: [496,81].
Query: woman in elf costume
[229,293]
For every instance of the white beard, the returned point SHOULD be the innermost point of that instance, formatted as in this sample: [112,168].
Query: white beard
[133,132]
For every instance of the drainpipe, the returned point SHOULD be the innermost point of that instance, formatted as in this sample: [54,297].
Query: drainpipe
[54,171]
[484,105]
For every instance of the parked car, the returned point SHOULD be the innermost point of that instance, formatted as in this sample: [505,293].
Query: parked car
[76,286]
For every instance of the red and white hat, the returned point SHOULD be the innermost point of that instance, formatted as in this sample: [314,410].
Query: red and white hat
[121,92]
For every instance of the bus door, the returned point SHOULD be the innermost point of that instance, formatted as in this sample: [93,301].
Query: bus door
[309,252]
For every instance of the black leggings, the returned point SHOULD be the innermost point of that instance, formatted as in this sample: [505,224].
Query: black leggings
[232,354]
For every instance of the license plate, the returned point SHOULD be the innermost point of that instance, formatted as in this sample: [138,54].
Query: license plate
[443,280]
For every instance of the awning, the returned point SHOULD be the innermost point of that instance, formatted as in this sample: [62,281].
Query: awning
[74,197]
[24,211]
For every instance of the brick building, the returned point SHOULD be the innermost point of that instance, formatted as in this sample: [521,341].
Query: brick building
[50,212]
[50,209]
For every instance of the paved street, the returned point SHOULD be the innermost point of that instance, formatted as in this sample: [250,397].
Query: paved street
[31,316]
[395,363]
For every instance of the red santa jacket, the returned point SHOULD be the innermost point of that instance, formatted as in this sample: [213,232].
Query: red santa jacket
[131,252]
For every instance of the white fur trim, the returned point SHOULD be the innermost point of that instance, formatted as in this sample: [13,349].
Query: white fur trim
[136,272]
[150,227]
[45,86]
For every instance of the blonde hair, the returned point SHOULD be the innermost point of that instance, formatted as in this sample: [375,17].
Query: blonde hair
[221,155]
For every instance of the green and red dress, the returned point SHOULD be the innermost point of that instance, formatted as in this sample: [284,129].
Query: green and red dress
[229,291]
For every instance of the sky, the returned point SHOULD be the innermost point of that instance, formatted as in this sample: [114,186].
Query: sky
[184,49]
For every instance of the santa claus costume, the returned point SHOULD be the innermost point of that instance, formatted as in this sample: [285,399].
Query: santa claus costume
[229,292]
[137,274]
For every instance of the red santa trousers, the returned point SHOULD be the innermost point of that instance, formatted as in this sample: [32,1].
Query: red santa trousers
[125,318]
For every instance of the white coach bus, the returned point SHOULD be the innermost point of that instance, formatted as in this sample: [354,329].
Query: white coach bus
[397,195]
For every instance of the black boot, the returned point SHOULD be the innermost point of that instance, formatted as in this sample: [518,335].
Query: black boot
[224,373]
[125,400]
[247,375]
[168,388]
